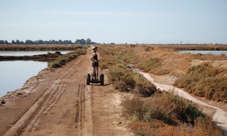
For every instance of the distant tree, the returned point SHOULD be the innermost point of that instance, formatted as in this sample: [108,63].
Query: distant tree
[88,41]
[60,42]
[67,42]
[52,42]
[29,42]
[40,42]
[18,42]
[80,41]
[3,42]
[77,41]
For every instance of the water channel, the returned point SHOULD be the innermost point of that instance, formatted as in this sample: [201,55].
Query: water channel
[204,52]
[13,74]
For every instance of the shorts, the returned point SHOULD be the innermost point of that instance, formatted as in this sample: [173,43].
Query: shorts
[95,64]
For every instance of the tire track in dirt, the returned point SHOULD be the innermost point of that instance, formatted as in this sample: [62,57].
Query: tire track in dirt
[29,121]
[79,109]
[83,117]
[87,113]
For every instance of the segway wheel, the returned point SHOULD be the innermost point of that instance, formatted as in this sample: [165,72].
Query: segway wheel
[101,79]
[88,79]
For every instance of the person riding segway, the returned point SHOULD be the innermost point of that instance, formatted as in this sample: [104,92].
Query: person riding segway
[93,77]
[95,63]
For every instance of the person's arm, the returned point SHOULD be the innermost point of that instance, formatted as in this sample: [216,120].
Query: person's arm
[92,57]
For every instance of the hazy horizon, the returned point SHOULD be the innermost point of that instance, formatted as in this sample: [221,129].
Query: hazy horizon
[145,21]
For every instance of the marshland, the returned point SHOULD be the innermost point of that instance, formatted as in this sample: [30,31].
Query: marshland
[151,111]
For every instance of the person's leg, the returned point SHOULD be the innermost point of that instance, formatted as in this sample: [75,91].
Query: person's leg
[97,72]
[93,73]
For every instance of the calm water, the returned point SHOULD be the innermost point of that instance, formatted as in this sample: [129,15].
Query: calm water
[13,74]
[27,53]
[205,52]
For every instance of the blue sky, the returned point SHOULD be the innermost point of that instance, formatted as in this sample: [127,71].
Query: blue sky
[118,21]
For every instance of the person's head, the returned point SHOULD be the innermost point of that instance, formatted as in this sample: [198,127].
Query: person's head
[95,48]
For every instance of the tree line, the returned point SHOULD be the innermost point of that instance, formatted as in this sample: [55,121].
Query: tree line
[78,41]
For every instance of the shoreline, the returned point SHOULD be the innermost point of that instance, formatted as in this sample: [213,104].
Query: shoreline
[27,87]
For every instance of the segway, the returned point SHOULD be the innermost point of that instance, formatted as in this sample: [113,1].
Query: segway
[95,80]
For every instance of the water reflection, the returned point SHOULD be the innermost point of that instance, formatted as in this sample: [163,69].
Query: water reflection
[13,74]
[204,52]
[27,53]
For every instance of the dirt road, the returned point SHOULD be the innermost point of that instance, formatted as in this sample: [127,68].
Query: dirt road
[58,102]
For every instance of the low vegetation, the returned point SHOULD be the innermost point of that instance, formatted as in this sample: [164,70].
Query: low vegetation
[167,114]
[162,113]
[202,79]
[124,78]
[215,47]
[205,81]
[159,113]
[63,59]
[41,57]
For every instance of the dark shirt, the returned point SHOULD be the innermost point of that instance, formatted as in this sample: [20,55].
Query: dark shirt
[95,57]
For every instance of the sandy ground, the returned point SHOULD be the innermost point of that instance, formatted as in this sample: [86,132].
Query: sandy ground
[57,102]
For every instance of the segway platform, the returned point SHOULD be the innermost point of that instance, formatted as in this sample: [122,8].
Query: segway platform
[90,80]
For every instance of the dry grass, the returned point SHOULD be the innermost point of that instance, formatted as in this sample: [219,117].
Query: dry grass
[63,59]
[167,114]
[163,113]
[124,78]
[215,47]
[205,81]
[170,109]
[160,60]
